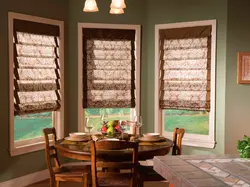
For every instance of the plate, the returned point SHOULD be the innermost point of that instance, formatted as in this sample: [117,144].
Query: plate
[110,139]
[151,135]
[78,134]
[144,139]
[77,139]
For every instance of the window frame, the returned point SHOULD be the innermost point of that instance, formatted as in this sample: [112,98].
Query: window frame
[196,140]
[137,28]
[38,143]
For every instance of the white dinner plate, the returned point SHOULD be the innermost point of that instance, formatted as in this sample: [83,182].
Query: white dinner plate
[110,139]
[78,134]
[144,139]
[78,139]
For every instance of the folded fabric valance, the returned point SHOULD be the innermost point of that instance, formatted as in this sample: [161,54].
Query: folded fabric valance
[36,67]
[108,68]
[185,60]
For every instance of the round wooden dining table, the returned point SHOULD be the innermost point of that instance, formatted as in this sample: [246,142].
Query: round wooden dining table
[81,151]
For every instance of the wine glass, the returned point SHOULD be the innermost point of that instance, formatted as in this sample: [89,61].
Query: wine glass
[122,128]
[104,119]
[138,123]
[89,124]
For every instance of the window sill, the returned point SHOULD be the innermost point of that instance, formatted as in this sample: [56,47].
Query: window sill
[27,148]
[204,143]
[199,143]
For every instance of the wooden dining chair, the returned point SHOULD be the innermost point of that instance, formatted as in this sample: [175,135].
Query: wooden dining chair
[112,176]
[177,141]
[58,172]
[147,173]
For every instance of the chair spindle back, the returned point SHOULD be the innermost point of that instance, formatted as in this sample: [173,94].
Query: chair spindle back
[50,150]
[108,147]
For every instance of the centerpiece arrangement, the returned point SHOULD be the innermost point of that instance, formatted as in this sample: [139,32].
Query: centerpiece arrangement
[111,128]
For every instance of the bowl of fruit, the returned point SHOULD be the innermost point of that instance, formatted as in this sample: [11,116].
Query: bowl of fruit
[111,128]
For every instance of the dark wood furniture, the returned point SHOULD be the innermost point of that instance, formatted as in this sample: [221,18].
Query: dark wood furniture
[107,174]
[82,152]
[74,173]
[147,173]
[177,140]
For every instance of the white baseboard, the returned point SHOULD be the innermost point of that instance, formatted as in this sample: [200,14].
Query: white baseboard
[27,179]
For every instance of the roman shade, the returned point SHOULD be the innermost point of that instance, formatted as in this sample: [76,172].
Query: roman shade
[108,68]
[185,61]
[36,67]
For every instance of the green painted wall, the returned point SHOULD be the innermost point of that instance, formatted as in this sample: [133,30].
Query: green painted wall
[167,11]
[12,167]
[237,95]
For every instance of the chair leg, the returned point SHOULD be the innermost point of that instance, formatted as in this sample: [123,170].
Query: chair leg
[140,183]
[85,181]
[52,183]
[57,183]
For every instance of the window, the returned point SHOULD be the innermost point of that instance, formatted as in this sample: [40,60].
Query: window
[109,72]
[36,80]
[185,81]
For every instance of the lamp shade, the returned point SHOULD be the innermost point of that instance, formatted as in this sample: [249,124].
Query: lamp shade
[116,11]
[90,6]
[118,4]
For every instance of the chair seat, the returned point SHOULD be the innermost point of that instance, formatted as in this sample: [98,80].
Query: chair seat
[73,171]
[147,173]
[116,182]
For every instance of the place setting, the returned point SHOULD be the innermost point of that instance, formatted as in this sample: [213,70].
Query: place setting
[78,137]
[115,130]
[152,137]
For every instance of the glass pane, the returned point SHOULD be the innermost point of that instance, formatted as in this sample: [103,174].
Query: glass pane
[31,125]
[109,113]
[194,122]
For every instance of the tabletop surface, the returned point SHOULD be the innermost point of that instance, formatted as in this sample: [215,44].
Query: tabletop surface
[204,170]
[146,149]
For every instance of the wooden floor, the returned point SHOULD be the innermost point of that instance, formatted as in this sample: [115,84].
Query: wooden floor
[69,184]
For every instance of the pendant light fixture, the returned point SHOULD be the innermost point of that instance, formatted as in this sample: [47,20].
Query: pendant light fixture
[116,11]
[90,6]
[116,6]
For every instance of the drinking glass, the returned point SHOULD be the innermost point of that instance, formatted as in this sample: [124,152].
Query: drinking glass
[138,123]
[89,124]
[122,125]
[104,119]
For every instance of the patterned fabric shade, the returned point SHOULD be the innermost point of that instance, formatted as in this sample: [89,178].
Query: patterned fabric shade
[185,68]
[108,68]
[36,67]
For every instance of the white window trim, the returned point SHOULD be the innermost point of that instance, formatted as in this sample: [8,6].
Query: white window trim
[137,28]
[35,144]
[195,140]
